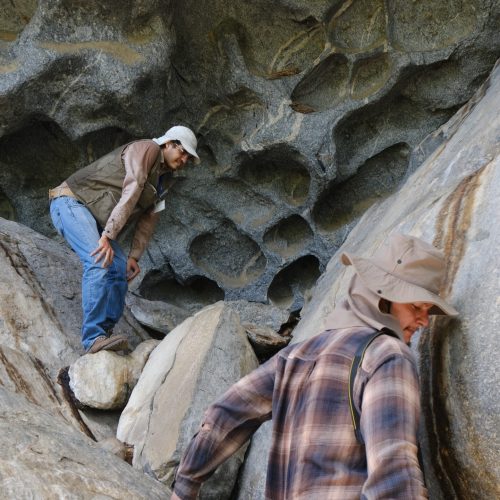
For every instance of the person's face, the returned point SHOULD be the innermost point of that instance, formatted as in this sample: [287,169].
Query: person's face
[174,155]
[411,317]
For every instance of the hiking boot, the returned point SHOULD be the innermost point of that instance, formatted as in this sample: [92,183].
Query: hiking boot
[114,343]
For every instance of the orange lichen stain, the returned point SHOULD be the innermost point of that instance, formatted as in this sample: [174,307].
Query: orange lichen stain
[282,73]
[16,378]
[454,222]
[302,108]
[116,49]
[8,36]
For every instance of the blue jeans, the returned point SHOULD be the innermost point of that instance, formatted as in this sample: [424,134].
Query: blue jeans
[103,289]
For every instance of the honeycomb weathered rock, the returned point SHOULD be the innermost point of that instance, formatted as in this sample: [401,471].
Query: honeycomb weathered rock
[305,113]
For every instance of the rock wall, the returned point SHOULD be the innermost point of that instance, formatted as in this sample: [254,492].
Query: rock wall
[306,114]
[452,201]
[46,458]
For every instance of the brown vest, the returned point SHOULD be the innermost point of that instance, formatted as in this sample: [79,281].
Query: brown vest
[99,186]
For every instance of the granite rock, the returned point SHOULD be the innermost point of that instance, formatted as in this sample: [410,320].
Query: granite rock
[450,201]
[298,134]
[47,458]
[104,380]
[199,360]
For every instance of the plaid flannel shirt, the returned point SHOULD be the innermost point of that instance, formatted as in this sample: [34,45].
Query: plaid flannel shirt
[314,453]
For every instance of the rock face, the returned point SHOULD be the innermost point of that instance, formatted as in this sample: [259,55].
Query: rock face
[40,316]
[105,380]
[451,201]
[156,315]
[306,114]
[46,458]
[199,360]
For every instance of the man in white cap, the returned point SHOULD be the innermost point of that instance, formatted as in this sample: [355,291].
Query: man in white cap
[345,404]
[92,207]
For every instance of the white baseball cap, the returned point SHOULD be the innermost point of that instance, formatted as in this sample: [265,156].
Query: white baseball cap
[185,136]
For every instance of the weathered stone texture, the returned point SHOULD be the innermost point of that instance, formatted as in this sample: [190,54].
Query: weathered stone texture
[40,298]
[105,380]
[451,201]
[306,113]
[46,458]
[199,360]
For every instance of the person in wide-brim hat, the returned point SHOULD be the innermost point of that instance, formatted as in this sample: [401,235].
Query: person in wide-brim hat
[344,404]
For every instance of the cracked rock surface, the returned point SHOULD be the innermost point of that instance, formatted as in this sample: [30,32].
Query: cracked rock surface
[306,114]
[322,126]
[200,359]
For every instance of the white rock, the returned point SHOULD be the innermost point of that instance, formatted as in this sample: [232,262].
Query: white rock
[192,366]
[105,379]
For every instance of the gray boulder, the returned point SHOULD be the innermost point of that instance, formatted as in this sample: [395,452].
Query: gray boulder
[191,367]
[265,341]
[259,315]
[105,380]
[47,458]
[155,314]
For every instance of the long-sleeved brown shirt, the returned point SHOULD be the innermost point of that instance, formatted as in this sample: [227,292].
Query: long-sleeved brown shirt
[138,159]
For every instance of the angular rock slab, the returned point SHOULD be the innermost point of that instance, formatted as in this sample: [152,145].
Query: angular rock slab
[46,458]
[452,201]
[105,380]
[191,367]
[265,342]
[259,315]
[155,314]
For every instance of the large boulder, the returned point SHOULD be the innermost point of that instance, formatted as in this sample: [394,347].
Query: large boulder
[40,298]
[191,367]
[44,457]
[450,201]
[105,380]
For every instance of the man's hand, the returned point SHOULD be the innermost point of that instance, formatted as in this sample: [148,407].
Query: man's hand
[104,250]
[133,268]
[174,497]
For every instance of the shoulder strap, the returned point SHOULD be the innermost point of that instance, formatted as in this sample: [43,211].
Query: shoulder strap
[357,360]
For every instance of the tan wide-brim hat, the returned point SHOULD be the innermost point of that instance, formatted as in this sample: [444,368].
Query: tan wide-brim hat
[404,270]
